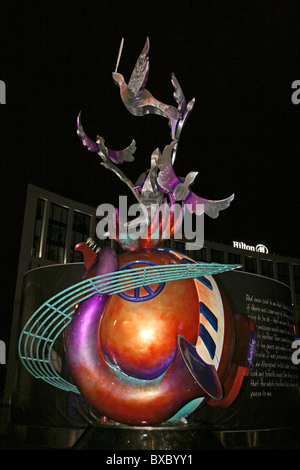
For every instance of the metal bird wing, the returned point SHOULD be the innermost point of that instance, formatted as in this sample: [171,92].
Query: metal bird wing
[179,96]
[190,177]
[116,156]
[87,142]
[182,190]
[125,155]
[167,178]
[139,76]
[109,156]
[110,166]
[183,108]
[212,208]
[150,194]
[169,181]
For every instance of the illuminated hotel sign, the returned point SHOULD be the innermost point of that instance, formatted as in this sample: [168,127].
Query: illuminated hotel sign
[258,248]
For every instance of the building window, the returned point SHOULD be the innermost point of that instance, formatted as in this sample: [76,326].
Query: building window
[233,258]
[217,256]
[179,246]
[80,233]
[37,236]
[56,236]
[283,273]
[296,270]
[250,265]
[267,268]
[200,255]
[105,242]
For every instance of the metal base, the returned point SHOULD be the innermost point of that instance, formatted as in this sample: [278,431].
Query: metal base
[190,437]
[280,439]
[148,438]
[40,438]
[124,438]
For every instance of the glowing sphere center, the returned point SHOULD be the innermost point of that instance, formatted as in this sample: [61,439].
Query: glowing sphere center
[140,338]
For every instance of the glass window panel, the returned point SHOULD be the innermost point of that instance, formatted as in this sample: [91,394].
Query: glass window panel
[283,273]
[217,256]
[267,268]
[250,265]
[80,233]
[52,252]
[234,258]
[200,255]
[56,236]
[40,208]
[36,244]
[76,257]
[61,251]
[296,271]
[106,242]
[57,233]
[38,228]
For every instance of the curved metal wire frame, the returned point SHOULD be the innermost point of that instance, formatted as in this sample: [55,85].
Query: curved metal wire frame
[50,320]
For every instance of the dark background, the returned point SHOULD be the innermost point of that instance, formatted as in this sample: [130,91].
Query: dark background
[239,59]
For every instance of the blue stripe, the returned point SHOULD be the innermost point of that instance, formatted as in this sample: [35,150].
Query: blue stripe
[209,315]
[208,341]
[205,281]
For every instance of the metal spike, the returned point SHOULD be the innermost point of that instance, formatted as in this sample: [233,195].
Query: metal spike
[119,55]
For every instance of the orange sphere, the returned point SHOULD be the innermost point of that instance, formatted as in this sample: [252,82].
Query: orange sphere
[139,331]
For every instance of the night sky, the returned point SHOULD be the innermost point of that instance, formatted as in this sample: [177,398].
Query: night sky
[238,59]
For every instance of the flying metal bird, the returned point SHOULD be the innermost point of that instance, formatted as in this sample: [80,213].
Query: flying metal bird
[139,101]
[149,192]
[170,182]
[110,157]
[182,190]
[116,156]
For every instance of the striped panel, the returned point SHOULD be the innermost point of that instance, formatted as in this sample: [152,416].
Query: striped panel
[208,341]
[209,315]
[205,281]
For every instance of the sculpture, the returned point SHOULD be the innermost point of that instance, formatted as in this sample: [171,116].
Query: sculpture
[160,180]
[139,101]
[149,335]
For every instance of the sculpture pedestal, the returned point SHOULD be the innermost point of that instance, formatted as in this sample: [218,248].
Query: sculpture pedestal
[120,437]
[192,437]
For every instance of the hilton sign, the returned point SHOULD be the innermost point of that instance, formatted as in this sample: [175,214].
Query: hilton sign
[258,248]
